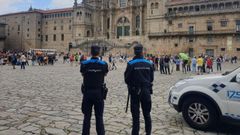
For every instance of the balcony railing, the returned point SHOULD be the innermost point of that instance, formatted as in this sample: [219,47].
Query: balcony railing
[201,12]
[193,33]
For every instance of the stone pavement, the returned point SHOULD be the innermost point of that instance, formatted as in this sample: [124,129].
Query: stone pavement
[47,101]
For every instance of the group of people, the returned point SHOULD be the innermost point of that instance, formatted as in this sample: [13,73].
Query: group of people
[22,58]
[76,58]
[199,65]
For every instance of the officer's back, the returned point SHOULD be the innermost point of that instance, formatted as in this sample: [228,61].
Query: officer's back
[93,71]
[94,92]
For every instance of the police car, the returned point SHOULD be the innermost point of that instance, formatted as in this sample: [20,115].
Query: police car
[205,100]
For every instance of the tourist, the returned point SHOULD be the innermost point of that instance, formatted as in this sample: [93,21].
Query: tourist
[178,62]
[219,64]
[200,65]
[161,64]
[194,65]
[14,60]
[23,60]
[189,64]
[167,65]
[209,64]
[156,61]
[72,59]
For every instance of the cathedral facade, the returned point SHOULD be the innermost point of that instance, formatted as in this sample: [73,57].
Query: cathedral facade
[163,26]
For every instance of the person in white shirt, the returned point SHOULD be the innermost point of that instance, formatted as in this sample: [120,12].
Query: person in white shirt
[23,60]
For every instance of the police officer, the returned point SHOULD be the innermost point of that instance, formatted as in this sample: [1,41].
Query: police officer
[139,76]
[93,72]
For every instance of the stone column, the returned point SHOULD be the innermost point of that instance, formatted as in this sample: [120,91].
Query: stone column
[141,21]
[102,23]
[111,25]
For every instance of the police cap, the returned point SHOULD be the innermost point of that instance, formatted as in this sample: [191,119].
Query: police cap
[138,49]
[95,50]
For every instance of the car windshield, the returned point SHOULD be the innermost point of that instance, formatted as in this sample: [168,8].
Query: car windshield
[229,72]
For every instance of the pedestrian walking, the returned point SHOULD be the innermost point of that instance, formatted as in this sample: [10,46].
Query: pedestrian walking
[94,91]
[189,64]
[161,65]
[200,65]
[23,60]
[219,64]
[14,60]
[178,62]
[167,65]
[194,65]
[209,65]
[139,76]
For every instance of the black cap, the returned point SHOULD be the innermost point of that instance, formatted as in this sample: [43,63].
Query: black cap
[138,49]
[95,50]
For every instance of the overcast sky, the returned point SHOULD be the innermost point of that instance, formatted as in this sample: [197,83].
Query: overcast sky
[10,6]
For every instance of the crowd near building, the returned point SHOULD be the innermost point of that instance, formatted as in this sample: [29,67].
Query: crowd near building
[164,27]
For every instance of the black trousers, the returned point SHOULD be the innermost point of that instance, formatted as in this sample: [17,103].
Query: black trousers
[143,99]
[162,71]
[92,100]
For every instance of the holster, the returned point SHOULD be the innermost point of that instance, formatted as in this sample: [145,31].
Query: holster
[104,91]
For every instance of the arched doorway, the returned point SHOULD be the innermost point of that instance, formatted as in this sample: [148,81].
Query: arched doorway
[123,27]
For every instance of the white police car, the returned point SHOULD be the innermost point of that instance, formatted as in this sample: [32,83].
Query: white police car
[205,100]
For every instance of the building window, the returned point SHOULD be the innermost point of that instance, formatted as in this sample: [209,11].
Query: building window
[156,5]
[224,23]
[191,29]
[70,21]
[27,35]
[108,23]
[238,25]
[180,25]
[46,38]
[39,29]
[39,35]
[123,27]
[18,27]
[54,37]
[123,3]
[70,27]
[176,45]
[61,27]
[191,39]
[28,29]
[62,37]
[55,28]
[209,39]
[46,23]
[238,37]
[209,26]
[238,49]
[223,49]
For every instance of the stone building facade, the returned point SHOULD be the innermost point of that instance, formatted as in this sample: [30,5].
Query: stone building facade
[162,26]
[2,36]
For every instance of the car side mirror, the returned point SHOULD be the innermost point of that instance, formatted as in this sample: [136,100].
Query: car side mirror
[238,78]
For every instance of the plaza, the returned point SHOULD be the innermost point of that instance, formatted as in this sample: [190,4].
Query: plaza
[46,100]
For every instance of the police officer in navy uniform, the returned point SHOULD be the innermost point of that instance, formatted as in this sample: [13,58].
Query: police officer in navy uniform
[139,76]
[93,72]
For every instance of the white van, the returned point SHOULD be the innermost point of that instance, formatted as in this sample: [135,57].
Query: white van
[205,100]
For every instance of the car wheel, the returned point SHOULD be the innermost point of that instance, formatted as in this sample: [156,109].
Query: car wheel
[199,113]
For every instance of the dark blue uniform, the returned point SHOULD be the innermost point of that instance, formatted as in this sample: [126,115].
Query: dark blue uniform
[93,71]
[139,76]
